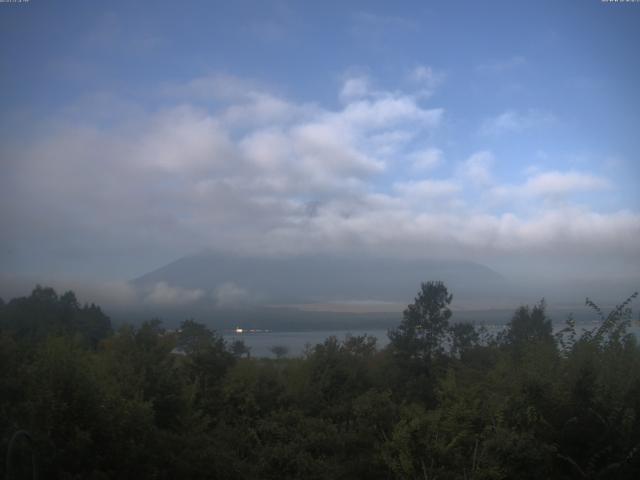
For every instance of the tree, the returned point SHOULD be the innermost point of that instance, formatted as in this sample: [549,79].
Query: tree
[240,349]
[206,361]
[280,351]
[44,313]
[425,323]
[195,338]
[529,326]
[463,337]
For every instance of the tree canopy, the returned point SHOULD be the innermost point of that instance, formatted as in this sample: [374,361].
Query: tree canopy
[425,323]
[444,400]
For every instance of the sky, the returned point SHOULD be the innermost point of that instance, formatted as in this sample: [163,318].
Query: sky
[135,133]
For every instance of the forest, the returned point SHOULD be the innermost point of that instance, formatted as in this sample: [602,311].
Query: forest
[444,400]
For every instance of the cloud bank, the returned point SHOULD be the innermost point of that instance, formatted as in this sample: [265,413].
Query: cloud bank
[229,165]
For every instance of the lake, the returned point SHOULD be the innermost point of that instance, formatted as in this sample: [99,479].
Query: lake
[261,343]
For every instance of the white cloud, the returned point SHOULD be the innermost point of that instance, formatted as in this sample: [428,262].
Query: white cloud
[265,175]
[211,87]
[426,159]
[386,111]
[354,88]
[391,142]
[552,184]
[163,294]
[515,122]
[322,146]
[427,79]
[396,230]
[425,74]
[210,175]
[263,109]
[229,294]
[427,188]
[562,183]
[477,168]
[269,149]
[184,140]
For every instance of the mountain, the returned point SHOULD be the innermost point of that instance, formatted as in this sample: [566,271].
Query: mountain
[320,292]
[319,279]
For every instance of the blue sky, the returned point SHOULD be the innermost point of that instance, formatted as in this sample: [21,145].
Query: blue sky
[133,133]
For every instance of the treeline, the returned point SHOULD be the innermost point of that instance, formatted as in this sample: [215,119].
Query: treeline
[443,400]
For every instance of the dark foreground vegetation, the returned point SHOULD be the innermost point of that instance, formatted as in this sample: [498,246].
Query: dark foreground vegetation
[442,401]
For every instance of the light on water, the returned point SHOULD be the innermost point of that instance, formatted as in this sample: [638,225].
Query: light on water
[261,343]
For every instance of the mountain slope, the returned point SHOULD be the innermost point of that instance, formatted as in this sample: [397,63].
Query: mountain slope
[322,278]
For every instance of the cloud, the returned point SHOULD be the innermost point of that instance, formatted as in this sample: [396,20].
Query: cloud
[427,188]
[250,171]
[423,79]
[562,183]
[426,75]
[262,108]
[553,184]
[355,87]
[183,140]
[163,294]
[427,79]
[389,110]
[426,159]
[515,122]
[559,233]
[214,173]
[213,87]
[229,294]
[392,142]
[477,168]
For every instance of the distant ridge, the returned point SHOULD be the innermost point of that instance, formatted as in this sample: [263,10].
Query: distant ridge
[322,278]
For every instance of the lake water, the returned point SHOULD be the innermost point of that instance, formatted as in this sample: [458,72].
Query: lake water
[261,343]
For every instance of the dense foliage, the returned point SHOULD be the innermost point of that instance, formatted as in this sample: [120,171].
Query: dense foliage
[442,401]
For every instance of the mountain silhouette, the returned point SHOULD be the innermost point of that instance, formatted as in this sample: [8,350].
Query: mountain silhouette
[322,278]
